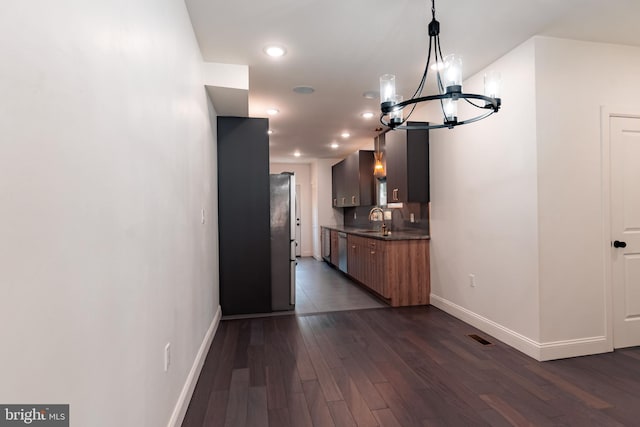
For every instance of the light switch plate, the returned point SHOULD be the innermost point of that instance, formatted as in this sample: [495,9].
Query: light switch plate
[387,215]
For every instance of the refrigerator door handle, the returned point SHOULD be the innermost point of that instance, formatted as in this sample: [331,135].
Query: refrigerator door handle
[293,282]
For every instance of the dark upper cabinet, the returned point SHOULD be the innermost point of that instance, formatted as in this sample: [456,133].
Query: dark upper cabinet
[407,155]
[352,180]
[243,215]
[338,189]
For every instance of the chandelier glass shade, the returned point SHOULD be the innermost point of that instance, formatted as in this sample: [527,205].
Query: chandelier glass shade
[448,71]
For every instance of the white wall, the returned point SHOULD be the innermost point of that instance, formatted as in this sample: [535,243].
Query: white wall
[107,157]
[574,80]
[517,199]
[303,178]
[484,210]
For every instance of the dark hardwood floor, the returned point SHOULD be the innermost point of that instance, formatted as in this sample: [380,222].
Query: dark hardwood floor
[400,367]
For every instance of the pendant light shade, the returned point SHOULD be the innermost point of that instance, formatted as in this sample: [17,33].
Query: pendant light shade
[378,165]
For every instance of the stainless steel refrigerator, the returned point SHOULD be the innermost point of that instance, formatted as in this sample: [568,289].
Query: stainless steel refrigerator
[283,244]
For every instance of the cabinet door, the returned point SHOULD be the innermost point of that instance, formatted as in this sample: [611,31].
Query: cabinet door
[334,185]
[396,154]
[370,265]
[417,166]
[352,177]
[353,258]
[338,184]
[407,153]
[380,260]
[366,180]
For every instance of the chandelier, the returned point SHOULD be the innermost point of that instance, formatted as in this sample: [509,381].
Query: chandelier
[448,72]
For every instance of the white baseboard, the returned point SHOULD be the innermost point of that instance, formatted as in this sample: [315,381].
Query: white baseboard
[574,348]
[180,410]
[534,349]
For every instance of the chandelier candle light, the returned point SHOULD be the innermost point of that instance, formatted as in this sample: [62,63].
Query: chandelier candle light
[448,71]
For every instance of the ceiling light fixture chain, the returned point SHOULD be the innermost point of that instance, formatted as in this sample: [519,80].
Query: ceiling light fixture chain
[448,72]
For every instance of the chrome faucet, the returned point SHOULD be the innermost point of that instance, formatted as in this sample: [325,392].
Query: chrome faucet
[375,209]
[384,229]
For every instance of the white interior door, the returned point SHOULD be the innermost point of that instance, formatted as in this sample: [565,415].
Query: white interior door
[625,230]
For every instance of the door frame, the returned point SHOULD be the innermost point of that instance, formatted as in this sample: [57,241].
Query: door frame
[606,113]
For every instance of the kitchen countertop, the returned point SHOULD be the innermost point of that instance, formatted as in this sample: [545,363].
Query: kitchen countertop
[377,234]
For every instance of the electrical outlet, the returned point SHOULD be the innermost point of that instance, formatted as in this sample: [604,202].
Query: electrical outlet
[472,280]
[202,215]
[387,215]
[167,356]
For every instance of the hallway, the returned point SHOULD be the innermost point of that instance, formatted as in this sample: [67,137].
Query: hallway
[320,288]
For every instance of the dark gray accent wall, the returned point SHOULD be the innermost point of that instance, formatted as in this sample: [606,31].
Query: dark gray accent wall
[243,215]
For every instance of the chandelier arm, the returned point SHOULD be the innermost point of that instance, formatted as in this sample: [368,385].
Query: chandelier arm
[473,103]
[429,127]
[417,127]
[441,126]
[442,108]
[420,87]
[439,79]
[475,119]
[440,49]
[413,107]
[440,85]
[493,103]
[418,91]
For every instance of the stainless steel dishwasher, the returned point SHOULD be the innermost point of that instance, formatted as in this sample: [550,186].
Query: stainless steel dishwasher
[342,252]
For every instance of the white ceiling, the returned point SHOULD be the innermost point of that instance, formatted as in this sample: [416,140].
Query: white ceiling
[341,47]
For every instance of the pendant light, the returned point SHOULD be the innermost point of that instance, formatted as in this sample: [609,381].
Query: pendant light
[378,165]
[448,72]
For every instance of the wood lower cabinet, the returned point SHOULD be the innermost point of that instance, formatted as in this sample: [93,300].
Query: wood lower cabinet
[365,263]
[397,270]
[406,272]
[334,247]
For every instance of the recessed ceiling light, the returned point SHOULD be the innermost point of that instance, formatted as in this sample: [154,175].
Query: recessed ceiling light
[275,51]
[367,115]
[334,145]
[272,111]
[345,134]
[303,89]
[297,154]
[371,94]
[269,132]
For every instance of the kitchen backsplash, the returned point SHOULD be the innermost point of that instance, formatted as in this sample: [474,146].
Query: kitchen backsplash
[401,217]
